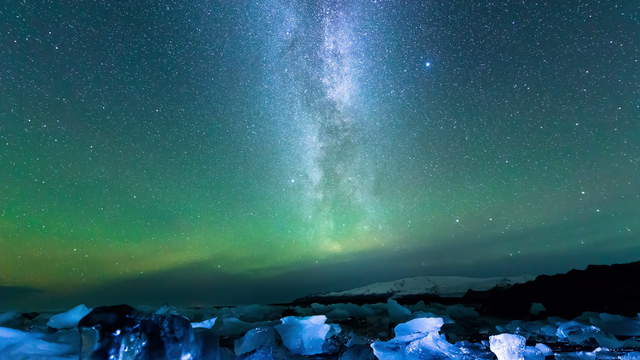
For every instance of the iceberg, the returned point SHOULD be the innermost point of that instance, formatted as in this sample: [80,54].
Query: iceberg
[397,312]
[513,347]
[254,339]
[575,332]
[417,328]
[8,316]
[618,325]
[16,344]
[417,339]
[204,324]
[304,335]
[68,319]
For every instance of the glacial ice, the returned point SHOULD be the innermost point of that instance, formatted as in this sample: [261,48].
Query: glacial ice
[204,324]
[232,326]
[351,332]
[8,317]
[577,355]
[16,344]
[575,332]
[260,337]
[618,325]
[417,339]
[513,347]
[397,312]
[417,328]
[304,335]
[544,349]
[68,319]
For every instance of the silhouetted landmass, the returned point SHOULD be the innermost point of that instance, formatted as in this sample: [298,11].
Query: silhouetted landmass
[598,288]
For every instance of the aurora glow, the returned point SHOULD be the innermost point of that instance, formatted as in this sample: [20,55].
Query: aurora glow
[199,147]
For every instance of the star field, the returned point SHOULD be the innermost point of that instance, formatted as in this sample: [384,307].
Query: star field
[269,140]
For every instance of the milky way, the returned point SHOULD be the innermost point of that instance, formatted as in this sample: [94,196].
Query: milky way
[323,64]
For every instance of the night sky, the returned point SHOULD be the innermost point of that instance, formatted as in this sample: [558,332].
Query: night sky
[208,151]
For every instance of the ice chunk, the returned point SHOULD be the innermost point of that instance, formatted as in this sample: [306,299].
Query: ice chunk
[507,346]
[618,325]
[204,324]
[578,355]
[354,339]
[544,349]
[417,328]
[474,351]
[432,346]
[397,312]
[389,350]
[255,339]
[167,310]
[319,308]
[513,347]
[69,318]
[304,335]
[8,317]
[417,339]
[232,326]
[16,344]
[575,332]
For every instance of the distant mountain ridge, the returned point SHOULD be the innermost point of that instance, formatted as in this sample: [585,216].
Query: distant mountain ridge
[441,287]
[446,286]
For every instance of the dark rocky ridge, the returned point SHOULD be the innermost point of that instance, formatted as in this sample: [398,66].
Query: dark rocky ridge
[598,288]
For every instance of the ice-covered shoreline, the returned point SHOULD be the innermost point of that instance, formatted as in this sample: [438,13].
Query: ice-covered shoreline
[335,331]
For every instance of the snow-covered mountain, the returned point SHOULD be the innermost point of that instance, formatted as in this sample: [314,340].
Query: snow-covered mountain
[440,285]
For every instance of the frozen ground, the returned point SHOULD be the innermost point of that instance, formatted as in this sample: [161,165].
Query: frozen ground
[385,331]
